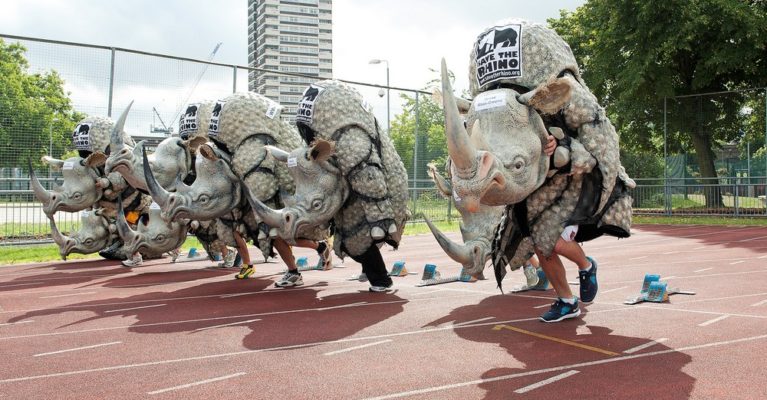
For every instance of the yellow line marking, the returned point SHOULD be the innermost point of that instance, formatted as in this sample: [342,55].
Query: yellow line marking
[554,339]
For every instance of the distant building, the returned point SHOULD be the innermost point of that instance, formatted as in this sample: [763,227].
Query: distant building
[289,36]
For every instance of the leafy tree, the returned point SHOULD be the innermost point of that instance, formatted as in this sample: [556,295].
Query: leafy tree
[636,53]
[432,144]
[34,110]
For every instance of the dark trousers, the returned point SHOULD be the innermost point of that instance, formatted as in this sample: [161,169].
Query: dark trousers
[373,266]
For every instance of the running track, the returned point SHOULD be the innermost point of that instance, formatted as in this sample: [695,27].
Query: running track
[95,330]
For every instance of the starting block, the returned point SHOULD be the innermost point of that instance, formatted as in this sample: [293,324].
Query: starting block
[432,277]
[399,269]
[303,265]
[193,255]
[653,290]
[543,284]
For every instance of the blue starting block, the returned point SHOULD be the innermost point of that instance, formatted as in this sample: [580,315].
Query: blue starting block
[543,283]
[398,269]
[431,276]
[653,290]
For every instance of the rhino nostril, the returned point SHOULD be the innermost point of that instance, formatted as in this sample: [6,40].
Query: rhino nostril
[287,218]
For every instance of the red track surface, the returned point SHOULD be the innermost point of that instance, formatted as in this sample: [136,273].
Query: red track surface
[142,333]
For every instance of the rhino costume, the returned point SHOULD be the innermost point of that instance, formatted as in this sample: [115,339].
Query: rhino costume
[351,162]
[526,85]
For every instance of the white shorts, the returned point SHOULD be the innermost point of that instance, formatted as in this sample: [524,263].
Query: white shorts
[569,233]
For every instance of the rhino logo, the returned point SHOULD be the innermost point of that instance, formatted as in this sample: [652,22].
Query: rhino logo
[81,137]
[187,124]
[213,127]
[306,105]
[498,54]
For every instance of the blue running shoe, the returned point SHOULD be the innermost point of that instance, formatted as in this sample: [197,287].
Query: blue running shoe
[588,282]
[561,310]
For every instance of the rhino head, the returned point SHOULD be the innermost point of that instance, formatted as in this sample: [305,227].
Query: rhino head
[477,230]
[82,185]
[170,161]
[498,156]
[95,233]
[320,192]
[215,191]
[153,234]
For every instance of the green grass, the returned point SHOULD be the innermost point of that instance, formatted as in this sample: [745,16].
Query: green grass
[698,220]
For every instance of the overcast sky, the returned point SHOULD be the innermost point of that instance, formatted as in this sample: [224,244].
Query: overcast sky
[412,35]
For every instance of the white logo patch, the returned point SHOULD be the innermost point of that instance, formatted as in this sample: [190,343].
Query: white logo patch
[81,137]
[489,100]
[68,165]
[292,162]
[455,196]
[214,125]
[499,54]
[273,109]
[305,110]
[189,122]
[154,206]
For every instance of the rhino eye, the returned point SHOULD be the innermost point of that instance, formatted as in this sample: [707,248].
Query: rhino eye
[516,165]
[159,238]
[88,242]
[316,204]
[203,198]
[76,195]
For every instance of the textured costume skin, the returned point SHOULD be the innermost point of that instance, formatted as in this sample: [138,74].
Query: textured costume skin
[342,116]
[358,168]
[547,81]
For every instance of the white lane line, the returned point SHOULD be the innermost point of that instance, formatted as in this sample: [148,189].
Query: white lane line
[762,257]
[669,252]
[227,296]
[638,258]
[701,247]
[357,347]
[135,308]
[543,305]
[644,346]
[613,290]
[76,349]
[759,303]
[223,325]
[473,321]
[429,292]
[753,238]
[669,277]
[16,323]
[67,295]
[396,334]
[546,382]
[561,368]
[713,321]
[220,378]
[704,269]
[737,262]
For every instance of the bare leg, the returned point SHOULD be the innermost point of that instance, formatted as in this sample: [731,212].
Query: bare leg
[285,252]
[309,244]
[555,272]
[573,252]
[242,248]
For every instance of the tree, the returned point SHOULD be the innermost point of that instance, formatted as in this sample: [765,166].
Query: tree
[34,110]
[636,53]
[432,144]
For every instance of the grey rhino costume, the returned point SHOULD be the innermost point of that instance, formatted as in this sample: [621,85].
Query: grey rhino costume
[240,126]
[526,82]
[477,229]
[351,174]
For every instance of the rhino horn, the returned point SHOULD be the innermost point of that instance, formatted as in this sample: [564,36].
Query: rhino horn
[159,194]
[55,163]
[459,253]
[116,139]
[461,150]
[271,217]
[64,242]
[41,194]
[123,229]
[277,153]
[439,181]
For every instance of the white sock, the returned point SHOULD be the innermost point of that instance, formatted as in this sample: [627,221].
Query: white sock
[568,301]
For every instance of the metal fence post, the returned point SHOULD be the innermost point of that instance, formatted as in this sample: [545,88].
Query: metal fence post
[111,82]
[415,157]
[666,195]
[234,79]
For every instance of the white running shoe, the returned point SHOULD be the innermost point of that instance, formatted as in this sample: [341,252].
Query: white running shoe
[134,261]
[531,274]
[229,259]
[290,279]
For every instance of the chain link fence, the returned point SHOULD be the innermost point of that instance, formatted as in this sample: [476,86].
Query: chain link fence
[100,80]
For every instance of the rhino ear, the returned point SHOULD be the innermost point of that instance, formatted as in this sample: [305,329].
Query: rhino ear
[195,143]
[206,151]
[549,97]
[321,150]
[55,163]
[96,159]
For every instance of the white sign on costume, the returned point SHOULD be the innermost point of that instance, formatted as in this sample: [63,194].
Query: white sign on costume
[498,54]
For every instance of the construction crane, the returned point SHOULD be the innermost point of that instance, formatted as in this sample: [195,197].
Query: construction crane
[196,82]
[164,129]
